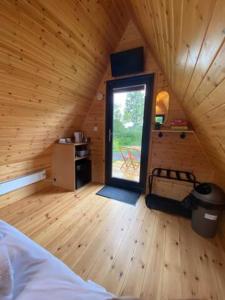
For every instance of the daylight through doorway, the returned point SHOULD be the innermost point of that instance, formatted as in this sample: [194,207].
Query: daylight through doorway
[128,116]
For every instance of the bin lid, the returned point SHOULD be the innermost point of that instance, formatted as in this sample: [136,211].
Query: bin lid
[210,193]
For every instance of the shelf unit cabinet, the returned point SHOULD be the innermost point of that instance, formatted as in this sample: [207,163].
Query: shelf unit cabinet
[64,165]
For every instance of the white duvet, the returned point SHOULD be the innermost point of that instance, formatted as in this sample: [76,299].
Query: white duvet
[29,272]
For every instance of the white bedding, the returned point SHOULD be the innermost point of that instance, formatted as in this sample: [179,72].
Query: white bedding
[29,272]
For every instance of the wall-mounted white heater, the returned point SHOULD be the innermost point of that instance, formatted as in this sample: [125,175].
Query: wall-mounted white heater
[19,182]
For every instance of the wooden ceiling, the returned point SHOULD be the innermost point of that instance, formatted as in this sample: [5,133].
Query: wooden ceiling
[52,57]
[187,38]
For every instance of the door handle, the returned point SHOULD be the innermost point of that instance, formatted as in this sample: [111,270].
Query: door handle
[110,135]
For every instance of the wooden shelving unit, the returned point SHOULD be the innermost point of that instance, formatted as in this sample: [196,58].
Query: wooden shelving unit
[64,164]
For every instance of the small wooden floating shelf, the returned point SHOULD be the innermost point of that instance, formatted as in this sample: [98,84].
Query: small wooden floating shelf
[182,133]
[79,158]
[172,131]
[75,144]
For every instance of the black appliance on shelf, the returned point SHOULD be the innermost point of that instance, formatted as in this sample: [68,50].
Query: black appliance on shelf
[83,172]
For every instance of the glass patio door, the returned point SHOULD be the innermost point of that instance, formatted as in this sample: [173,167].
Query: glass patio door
[128,117]
[128,120]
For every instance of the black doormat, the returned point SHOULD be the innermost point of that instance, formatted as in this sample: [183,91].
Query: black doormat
[119,194]
[167,205]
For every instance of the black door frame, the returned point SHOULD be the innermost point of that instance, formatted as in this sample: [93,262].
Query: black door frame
[148,80]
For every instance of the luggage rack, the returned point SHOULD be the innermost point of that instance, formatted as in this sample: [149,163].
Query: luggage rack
[172,175]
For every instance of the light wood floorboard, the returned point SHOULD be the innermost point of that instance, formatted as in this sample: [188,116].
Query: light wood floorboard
[129,250]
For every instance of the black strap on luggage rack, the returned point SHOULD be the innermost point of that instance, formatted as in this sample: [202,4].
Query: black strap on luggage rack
[173,175]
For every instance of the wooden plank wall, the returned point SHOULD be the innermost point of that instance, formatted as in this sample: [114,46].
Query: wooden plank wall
[169,151]
[96,116]
[187,38]
[54,53]
[52,56]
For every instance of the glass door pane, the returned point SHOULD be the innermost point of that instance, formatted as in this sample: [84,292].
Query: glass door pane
[128,117]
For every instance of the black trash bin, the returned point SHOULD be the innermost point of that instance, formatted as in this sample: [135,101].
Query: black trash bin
[209,202]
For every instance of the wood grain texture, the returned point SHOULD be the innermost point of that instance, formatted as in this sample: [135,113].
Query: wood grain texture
[63,166]
[187,38]
[172,152]
[169,151]
[129,250]
[52,56]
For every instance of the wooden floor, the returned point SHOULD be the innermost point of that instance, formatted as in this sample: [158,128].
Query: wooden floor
[129,250]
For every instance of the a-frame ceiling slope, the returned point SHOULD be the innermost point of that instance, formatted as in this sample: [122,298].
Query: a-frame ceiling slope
[187,38]
[52,57]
